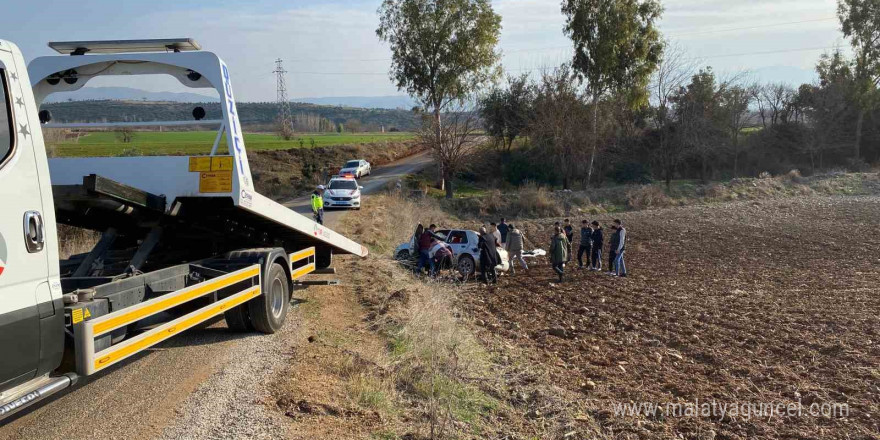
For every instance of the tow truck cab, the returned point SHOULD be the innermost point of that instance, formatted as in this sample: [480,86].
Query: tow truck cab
[31,308]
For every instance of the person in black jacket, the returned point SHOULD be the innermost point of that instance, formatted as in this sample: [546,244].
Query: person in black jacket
[616,250]
[569,235]
[488,256]
[612,248]
[598,239]
[586,244]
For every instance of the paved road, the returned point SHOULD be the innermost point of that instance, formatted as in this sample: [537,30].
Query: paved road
[372,184]
[205,383]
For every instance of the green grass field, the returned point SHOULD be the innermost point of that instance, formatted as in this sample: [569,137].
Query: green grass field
[200,142]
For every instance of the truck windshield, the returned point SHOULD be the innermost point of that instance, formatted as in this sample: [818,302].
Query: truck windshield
[352,164]
[343,184]
[5,120]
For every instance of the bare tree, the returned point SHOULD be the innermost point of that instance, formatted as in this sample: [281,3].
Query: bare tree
[674,72]
[773,101]
[284,131]
[735,101]
[453,142]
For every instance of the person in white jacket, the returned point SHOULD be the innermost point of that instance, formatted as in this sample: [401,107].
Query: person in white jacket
[496,233]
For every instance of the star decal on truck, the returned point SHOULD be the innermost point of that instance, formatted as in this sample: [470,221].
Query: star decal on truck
[24,130]
[19,102]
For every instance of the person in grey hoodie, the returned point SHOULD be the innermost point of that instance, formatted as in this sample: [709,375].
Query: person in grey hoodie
[514,246]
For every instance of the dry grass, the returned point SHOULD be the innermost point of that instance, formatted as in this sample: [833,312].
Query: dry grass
[534,201]
[437,371]
[647,196]
[73,241]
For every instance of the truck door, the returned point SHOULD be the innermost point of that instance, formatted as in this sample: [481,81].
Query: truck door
[23,261]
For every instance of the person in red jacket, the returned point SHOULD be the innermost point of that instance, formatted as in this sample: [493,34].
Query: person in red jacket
[424,243]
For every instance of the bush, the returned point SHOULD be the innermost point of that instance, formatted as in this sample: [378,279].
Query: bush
[647,196]
[857,165]
[630,172]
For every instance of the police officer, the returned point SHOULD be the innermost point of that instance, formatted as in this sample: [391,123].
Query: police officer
[318,204]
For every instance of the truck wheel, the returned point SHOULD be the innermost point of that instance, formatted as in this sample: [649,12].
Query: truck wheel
[269,309]
[323,257]
[238,320]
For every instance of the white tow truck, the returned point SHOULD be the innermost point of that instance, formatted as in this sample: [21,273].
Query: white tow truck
[183,239]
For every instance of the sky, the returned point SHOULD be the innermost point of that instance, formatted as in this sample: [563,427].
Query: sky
[330,47]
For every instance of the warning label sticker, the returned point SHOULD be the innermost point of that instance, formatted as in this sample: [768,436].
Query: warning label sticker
[215,182]
[200,163]
[221,163]
[76,316]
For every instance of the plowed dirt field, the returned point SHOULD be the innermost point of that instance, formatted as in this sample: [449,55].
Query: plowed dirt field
[760,303]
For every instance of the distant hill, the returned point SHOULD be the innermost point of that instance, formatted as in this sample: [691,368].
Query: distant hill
[251,114]
[133,94]
[387,102]
[127,94]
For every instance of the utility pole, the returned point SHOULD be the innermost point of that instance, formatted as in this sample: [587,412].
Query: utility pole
[285,120]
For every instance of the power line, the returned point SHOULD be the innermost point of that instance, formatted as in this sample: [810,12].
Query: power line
[766,52]
[542,49]
[763,26]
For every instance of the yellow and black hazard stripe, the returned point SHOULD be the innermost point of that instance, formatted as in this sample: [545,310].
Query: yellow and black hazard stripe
[89,361]
[302,263]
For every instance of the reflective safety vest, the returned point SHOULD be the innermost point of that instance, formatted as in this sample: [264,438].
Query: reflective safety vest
[317,202]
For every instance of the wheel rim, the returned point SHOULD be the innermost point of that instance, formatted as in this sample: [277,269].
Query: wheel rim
[277,292]
[466,266]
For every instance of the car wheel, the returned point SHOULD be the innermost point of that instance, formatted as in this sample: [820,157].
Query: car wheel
[402,255]
[466,266]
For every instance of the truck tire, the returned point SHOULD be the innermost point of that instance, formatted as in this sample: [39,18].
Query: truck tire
[268,311]
[238,320]
[323,257]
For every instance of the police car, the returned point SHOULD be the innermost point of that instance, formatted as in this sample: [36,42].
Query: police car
[342,192]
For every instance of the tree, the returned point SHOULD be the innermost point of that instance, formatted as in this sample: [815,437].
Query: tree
[860,22]
[617,47]
[453,144]
[125,135]
[698,112]
[674,71]
[557,127]
[506,111]
[735,112]
[773,102]
[442,52]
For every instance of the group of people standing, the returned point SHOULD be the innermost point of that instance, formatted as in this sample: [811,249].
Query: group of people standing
[435,254]
[592,239]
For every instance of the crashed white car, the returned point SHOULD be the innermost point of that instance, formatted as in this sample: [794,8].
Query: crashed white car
[342,192]
[465,250]
[356,168]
